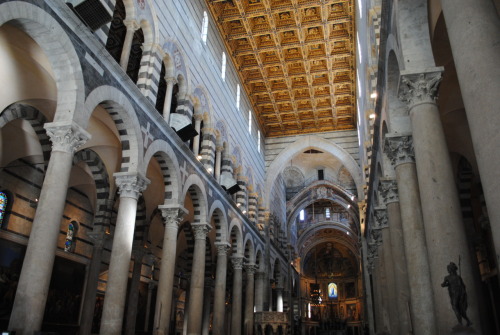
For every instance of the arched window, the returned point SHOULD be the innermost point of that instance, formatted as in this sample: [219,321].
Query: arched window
[204,27]
[238,96]
[250,121]
[327,213]
[223,72]
[69,244]
[4,200]
[302,215]
[258,140]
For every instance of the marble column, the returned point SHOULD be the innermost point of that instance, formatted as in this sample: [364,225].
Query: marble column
[444,228]
[138,253]
[220,288]
[130,186]
[382,224]
[151,286]
[236,310]
[196,140]
[33,285]
[389,194]
[399,150]
[132,27]
[207,300]
[168,98]
[259,291]
[99,237]
[195,304]
[249,298]
[172,217]
[367,276]
[218,161]
[474,32]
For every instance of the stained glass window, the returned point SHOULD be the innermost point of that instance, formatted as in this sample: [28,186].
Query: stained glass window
[3,206]
[70,234]
[332,291]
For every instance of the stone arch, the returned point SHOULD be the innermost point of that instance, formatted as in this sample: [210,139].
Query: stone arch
[396,109]
[122,112]
[309,142]
[58,48]
[218,212]
[194,186]
[36,120]
[176,58]
[249,251]
[236,238]
[102,185]
[167,159]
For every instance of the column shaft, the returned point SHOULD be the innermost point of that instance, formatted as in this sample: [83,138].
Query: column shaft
[33,285]
[195,304]
[133,295]
[132,26]
[91,289]
[130,186]
[249,301]
[220,290]
[172,216]
[474,33]
[423,314]
[259,292]
[168,99]
[196,139]
[444,228]
[237,292]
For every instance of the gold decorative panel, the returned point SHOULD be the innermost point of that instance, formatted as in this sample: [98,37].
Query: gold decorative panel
[295,59]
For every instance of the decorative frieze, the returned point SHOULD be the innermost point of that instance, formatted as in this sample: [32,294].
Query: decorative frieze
[399,149]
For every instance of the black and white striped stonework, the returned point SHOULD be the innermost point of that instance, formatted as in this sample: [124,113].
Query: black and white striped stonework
[101,180]
[149,73]
[207,151]
[252,207]
[36,120]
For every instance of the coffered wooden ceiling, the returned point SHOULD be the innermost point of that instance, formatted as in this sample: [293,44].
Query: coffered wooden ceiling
[295,59]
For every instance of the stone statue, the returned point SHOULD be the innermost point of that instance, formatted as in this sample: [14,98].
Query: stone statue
[458,295]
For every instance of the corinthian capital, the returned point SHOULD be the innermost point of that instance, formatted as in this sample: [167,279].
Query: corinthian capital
[250,268]
[131,24]
[381,220]
[200,230]
[172,214]
[237,262]
[419,88]
[66,137]
[399,149]
[131,184]
[222,248]
[389,191]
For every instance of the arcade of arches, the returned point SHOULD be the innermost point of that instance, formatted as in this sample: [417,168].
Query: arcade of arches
[249,167]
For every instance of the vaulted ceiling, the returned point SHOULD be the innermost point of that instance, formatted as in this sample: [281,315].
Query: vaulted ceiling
[296,61]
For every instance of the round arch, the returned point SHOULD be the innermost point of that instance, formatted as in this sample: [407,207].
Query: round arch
[310,142]
[58,48]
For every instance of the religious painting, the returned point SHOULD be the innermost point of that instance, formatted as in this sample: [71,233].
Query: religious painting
[352,313]
[332,291]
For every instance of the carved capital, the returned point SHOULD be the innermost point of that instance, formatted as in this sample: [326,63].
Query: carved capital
[381,220]
[399,149]
[130,184]
[237,262]
[170,81]
[66,137]
[250,269]
[222,248]
[219,148]
[419,88]
[200,230]
[132,25]
[375,237]
[372,250]
[172,215]
[389,191]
